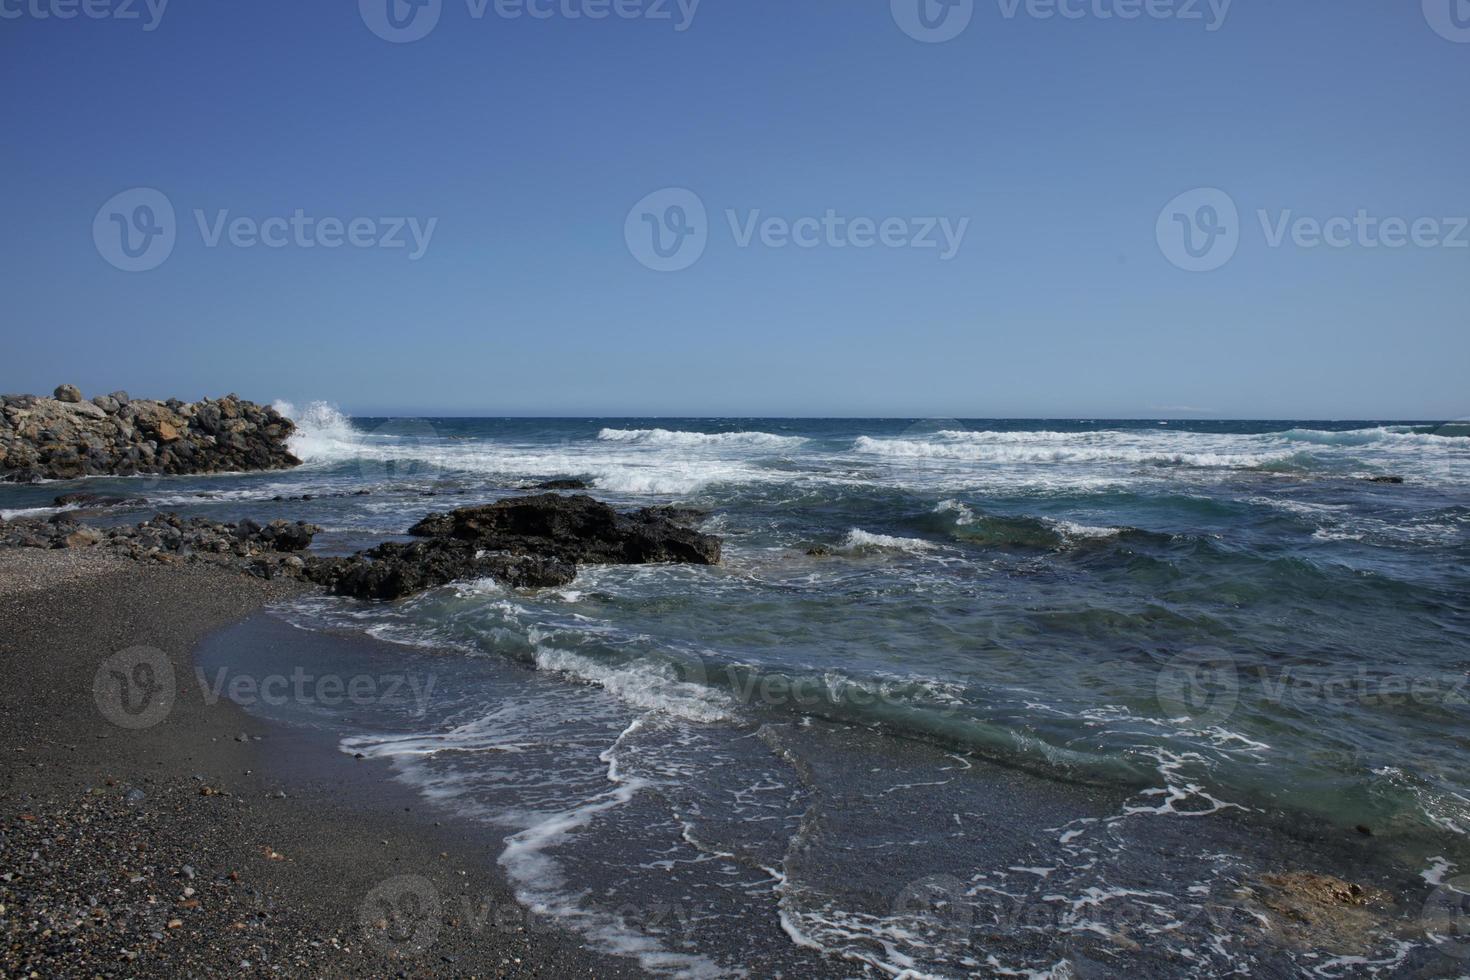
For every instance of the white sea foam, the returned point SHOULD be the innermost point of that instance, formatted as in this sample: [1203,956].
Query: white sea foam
[1050,450]
[634,462]
[666,437]
[642,684]
[963,516]
[859,540]
[10,515]
[1438,868]
[323,433]
[1072,529]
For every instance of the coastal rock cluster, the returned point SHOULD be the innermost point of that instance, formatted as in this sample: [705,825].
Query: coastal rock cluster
[535,541]
[65,436]
[169,538]
[523,542]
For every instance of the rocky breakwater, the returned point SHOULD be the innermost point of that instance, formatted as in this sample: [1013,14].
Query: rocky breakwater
[523,542]
[64,437]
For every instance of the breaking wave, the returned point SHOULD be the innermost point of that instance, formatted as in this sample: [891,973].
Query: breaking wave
[666,437]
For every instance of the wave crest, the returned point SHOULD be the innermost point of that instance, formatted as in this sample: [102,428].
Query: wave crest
[669,437]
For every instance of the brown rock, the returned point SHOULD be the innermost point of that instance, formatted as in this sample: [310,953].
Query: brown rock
[67,393]
[82,537]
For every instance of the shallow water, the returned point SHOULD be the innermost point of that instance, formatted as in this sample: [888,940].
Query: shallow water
[1054,693]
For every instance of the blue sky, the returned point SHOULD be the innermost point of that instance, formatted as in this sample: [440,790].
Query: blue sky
[524,144]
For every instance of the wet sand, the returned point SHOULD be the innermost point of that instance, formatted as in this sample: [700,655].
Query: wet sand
[147,829]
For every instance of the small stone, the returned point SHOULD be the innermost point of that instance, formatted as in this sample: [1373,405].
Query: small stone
[134,795]
[70,394]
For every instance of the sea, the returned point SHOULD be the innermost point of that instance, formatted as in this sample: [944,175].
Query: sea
[966,697]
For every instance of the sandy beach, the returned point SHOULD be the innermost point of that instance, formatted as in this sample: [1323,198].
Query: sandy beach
[173,849]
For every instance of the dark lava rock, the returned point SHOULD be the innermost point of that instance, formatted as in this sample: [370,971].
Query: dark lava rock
[527,542]
[573,528]
[394,570]
[679,515]
[561,485]
[1386,479]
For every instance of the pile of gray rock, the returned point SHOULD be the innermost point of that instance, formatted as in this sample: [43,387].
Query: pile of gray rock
[522,542]
[265,550]
[64,437]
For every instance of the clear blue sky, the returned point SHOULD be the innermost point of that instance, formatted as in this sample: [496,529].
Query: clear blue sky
[530,140]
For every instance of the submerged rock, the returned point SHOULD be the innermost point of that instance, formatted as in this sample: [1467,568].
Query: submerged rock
[1308,910]
[96,500]
[64,437]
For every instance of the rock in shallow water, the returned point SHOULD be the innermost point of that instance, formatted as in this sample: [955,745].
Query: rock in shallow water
[577,529]
[394,570]
[524,542]
[530,542]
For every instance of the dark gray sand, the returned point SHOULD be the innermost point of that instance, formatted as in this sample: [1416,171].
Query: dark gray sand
[136,849]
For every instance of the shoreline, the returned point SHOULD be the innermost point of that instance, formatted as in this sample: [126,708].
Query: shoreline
[219,865]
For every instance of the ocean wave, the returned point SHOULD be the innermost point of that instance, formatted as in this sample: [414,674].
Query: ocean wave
[645,685]
[667,437]
[1072,529]
[417,451]
[10,515]
[963,516]
[858,540]
[1054,451]
[322,433]
[1401,435]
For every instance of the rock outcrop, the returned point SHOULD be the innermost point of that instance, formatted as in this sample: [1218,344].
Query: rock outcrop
[524,542]
[65,437]
[576,529]
[391,571]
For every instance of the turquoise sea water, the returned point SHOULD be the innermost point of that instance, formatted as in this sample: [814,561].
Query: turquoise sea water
[1047,697]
